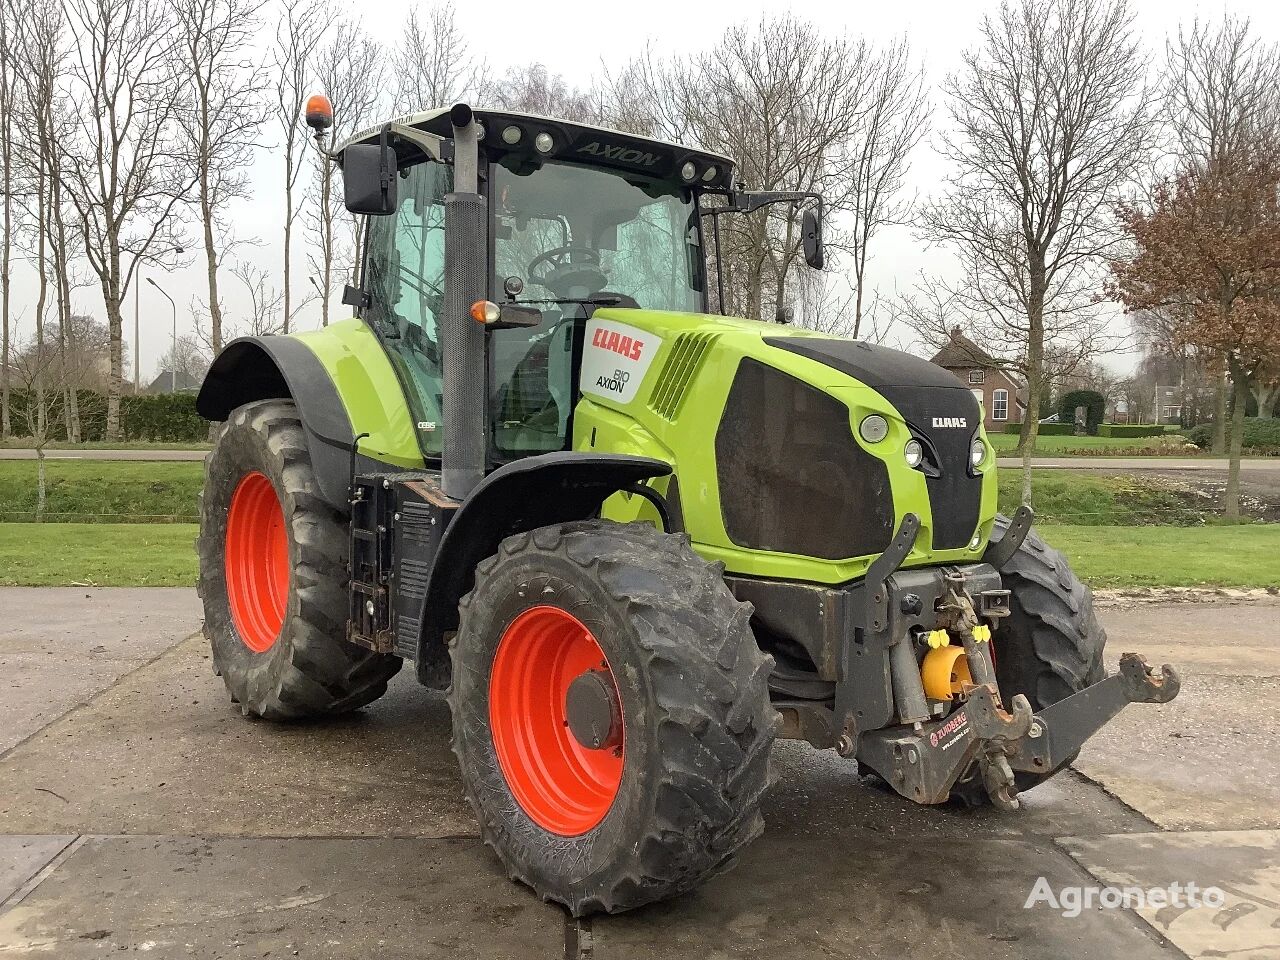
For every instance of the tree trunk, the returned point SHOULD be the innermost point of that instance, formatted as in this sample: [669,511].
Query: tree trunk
[1232,495]
[1035,373]
[288,232]
[41,481]
[1220,413]
[6,158]
[111,295]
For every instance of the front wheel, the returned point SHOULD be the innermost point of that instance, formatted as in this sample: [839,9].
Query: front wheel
[610,714]
[1049,647]
[273,574]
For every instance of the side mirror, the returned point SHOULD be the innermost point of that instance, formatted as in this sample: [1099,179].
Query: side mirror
[811,237]
[369,178]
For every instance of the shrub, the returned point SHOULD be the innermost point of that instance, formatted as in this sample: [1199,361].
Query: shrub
[1095,408]
[157,417]
[1261,435]
[1130,430]
[1046,429]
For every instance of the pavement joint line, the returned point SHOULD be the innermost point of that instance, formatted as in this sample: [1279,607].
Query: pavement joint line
[579,941]
[1134,918]
[1155,827]
[45,871]
[4,754]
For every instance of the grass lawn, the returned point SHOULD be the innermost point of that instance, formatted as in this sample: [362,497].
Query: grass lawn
[1086,499]
[103,491]
[118,554]
[1237,556]
[1006,443]
[23,443]
[99,554]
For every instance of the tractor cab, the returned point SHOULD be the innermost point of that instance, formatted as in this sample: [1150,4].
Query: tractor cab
[575,218]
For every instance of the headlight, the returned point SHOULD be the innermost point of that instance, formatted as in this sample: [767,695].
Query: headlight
[543,142]
[874,428]
[977,453]
[914,453]
[689,171]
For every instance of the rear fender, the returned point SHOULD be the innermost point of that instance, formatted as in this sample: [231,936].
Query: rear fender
[263,368]
[520,496]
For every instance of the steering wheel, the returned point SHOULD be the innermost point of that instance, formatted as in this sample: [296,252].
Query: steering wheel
[566,267]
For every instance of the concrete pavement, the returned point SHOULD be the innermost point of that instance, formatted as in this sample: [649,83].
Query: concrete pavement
[155,819]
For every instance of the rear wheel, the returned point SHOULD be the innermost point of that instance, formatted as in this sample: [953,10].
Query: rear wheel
[1049,647]
[610,714]
[273,574]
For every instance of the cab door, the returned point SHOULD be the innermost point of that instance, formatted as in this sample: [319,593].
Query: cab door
[404,276]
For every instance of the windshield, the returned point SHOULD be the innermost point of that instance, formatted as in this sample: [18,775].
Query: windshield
[573,232]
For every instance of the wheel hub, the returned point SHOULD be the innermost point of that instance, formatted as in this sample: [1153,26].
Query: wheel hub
[592,710]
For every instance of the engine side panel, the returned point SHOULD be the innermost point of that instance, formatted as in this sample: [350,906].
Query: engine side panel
[678,383]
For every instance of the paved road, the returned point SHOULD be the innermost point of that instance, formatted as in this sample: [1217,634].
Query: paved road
[154,818]
[1131,464]
[7,453]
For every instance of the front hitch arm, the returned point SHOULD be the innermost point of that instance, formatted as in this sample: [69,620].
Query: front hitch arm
[924,764]
[1060,730]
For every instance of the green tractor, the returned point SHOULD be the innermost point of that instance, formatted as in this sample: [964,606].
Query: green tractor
[634,541]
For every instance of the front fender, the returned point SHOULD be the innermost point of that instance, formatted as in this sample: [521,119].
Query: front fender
[263,368]
[524,495]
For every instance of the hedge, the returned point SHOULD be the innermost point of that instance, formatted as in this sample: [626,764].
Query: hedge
[1046,429]
[1130,430]
[1261,434]
[1095,408]
[156,417]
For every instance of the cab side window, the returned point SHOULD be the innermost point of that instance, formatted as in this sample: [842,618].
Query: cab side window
[404,274]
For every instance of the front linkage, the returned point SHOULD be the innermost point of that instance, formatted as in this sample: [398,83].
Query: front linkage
[923,758]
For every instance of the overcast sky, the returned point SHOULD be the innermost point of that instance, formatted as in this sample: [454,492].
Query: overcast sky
[572,38]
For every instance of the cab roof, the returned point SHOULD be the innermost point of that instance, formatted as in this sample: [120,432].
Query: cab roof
[578,142]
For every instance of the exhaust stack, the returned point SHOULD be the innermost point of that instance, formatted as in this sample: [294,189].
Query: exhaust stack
[462,339]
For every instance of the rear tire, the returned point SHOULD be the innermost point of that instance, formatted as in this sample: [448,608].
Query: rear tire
[693,724]
[273,575]
[1049,647]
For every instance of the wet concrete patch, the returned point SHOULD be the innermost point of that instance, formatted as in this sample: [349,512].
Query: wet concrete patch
[867,895]
[21,858]
[1244,865]
[312,898]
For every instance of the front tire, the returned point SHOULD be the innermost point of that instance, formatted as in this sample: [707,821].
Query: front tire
[672,791]
[273,575]
[1049,647]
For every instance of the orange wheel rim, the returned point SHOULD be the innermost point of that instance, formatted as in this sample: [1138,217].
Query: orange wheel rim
[257,562]
[563,786]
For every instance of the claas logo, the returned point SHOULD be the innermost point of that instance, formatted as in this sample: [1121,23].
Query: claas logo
[615,342]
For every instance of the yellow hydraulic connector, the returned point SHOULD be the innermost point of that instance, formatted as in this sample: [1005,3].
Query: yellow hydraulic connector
[981,633]
[938,638]
[945,672]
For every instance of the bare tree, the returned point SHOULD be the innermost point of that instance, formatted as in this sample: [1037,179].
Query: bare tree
[123,161]
[798,111]
[302,25]
[1050,122]
[220,128]
[533,88]
[432,62]
[349,69]
[187,359]
[7,69]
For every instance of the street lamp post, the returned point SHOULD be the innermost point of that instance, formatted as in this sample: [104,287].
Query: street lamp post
[173,357]
[137,363]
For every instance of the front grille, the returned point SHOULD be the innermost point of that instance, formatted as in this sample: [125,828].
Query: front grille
[792,478]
